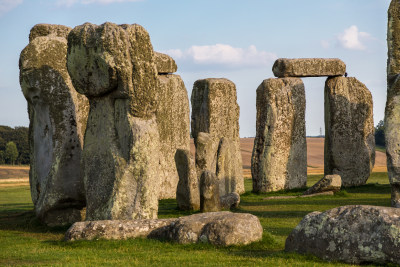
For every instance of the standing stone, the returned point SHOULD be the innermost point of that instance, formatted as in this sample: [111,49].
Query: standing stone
[308,67]
[392,111]
[224,172]
[113,65]
[57,115]
[349,130]
[279,159]
[216,112]
[206,153]
[188,191]
[174,129]
[209,192]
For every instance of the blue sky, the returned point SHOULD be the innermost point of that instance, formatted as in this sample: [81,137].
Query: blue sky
[234,39]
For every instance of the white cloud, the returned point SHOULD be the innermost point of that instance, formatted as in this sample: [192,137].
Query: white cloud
[7,5]
[325,44]
[69,3]
[353,39]
[223,54]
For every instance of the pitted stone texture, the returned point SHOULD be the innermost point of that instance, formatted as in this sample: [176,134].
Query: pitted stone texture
[308,67]
[174,129]
[218,228]
[188,191]
[57,115]
[279,159]
[165,64]
[353,234]
[206,153]
[209,192]
[215,111]
[230,201]
[328,183]
[113,65]
[51,30]
[349,130]
[392,111]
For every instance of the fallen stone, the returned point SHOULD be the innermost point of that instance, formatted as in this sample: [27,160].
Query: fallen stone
[308,67]
[327,193]
[352,234]
[58,116]
[279,159]
[230,201]
[173,124]
[327,183]
[165,64]
[114,66]
[188,191]
[349,130]
[209,192]
[215,111]
[218,228]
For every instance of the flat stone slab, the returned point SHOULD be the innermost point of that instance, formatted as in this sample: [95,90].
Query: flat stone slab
[308,67]
[219,228]
[353,234]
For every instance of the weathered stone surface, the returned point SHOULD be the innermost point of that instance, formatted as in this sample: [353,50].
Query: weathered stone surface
[165,64]
[206,153]
[392,111]
[218,228]
[328,183]
[349,130]
[230,201]
[174,129]
[215,111]
[113,65]
[279,159]
[188,191]
[50,30]
[225,167]
[353,234]
[308,67]
[209,192]
[57,115]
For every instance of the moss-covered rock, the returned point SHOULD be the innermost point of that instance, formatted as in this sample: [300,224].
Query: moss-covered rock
[165,64]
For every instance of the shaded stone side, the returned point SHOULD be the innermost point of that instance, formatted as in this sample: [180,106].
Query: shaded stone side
[279,159]
[113,65]
[174,129]
[352,234]
[165,64]
[57,115]
[209,192]
[215,111]
[308,67]
[349,130]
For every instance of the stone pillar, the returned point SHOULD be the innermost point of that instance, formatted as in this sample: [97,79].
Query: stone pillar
[215,111]
[57,115]
[392,111]
[173,122]
[114,66]
[279,159]
[209,192]
[349,130]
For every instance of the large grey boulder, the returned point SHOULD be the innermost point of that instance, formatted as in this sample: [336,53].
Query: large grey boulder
[218,228]
[327,183]
[57,115]
[279,159]
[392,111]
[353,234]
[173,123]
[215,111]
[187,191]
[349,130]
[113,65]
[308,67]
[209,192]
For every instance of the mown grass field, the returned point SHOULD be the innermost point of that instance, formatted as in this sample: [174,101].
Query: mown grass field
[24,241]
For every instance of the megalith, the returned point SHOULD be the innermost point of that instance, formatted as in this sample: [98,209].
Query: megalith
[173,122]
[349,130]
[392,111]
[279,159]
[114,66]
[209,192]
[57,115]
[215,112]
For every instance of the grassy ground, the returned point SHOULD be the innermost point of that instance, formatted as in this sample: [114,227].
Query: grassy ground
[23,241]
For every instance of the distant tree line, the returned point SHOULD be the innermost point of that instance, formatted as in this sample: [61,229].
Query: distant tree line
[380,134]
[14,145]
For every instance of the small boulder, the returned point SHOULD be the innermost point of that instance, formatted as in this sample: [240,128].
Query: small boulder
[328,183]
[209,192]
[164,63]
[230,201]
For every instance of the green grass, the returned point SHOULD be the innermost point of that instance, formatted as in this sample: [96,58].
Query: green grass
[24,241]
[380,148]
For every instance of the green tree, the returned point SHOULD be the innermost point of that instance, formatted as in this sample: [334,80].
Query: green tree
[11,153]
[380,134]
